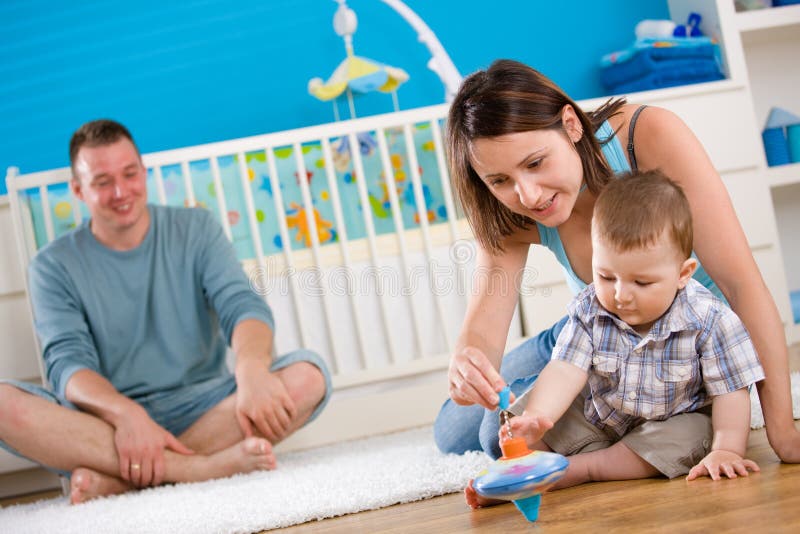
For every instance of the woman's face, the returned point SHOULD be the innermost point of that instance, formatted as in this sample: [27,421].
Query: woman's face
[537,173]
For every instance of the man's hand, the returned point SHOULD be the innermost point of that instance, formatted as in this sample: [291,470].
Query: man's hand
[720,462]
[529,427]
[473,379]
[262,402]
[140,441]
[140,444]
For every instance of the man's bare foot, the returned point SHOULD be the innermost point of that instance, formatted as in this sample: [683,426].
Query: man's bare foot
[86,484]
[476,501]
[250,454]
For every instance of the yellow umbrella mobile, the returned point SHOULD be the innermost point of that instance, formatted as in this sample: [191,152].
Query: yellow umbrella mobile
[355,74]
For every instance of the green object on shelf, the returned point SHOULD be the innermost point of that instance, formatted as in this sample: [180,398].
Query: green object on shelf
[793,139]
[749,5]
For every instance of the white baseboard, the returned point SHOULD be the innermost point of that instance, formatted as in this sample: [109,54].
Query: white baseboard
[28,481]
[10,463]
[374,409]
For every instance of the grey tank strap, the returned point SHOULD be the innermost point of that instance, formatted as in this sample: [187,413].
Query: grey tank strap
[631,126]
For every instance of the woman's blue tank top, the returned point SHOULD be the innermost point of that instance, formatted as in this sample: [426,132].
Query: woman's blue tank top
[616,159]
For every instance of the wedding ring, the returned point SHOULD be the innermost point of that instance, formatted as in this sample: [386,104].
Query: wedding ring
[135,466]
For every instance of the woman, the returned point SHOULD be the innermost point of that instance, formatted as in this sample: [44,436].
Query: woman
[527,164]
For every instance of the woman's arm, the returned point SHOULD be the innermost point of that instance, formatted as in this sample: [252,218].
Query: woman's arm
[473,373]
[663,141]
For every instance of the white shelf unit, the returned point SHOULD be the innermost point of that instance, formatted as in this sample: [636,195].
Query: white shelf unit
[760,51]
[724,117]
[771,52]
[784,175]
[771,47]
[769,18]
[786,200]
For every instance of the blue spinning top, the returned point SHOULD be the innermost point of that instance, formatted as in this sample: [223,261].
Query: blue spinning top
[521,475]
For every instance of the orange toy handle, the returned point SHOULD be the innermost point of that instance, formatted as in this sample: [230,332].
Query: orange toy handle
[514,448]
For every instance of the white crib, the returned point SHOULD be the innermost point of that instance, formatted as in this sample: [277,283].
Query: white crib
[383,310]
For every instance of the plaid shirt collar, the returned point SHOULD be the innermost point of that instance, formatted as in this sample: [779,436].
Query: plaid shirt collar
[679,317]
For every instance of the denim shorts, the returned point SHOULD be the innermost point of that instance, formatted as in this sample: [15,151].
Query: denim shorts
[177,409]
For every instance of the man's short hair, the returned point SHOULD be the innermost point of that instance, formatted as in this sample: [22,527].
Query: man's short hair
[96,133]
[634,211]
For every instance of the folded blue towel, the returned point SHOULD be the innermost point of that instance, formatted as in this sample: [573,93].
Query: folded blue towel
[665,78]
[663,47]
[654,63]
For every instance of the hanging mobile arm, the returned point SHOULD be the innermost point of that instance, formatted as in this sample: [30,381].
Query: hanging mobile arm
[440,61]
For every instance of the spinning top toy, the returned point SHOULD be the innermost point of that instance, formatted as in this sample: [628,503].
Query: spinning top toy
[520,475]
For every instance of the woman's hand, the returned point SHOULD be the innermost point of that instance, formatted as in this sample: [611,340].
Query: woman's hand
[473,379]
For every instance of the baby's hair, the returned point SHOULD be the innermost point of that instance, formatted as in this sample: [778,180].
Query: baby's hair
[633,212]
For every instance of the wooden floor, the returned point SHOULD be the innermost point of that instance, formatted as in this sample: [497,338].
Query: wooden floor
[764,503]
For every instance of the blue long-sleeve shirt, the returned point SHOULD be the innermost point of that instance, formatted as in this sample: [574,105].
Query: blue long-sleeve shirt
[149,319]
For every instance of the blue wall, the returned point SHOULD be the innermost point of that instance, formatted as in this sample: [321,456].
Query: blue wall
[185,73]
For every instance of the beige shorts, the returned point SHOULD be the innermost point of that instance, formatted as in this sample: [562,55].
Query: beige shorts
[672,446]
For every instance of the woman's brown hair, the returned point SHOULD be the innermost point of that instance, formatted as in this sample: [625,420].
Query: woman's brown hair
[510,97]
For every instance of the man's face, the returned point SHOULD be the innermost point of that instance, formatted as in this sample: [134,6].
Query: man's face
[112,181]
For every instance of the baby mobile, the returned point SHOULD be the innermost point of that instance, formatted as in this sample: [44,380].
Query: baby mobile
[357,75]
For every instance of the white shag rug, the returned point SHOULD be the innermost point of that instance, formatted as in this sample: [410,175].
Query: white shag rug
[757,418]
[334,480]
[315,484]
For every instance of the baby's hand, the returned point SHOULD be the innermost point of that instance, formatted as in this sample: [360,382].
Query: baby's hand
[718,463]
[529,427]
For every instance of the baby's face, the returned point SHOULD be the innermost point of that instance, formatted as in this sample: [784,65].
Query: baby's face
[639,285]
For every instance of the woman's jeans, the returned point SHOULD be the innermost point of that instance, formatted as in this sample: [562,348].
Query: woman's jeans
[472,428]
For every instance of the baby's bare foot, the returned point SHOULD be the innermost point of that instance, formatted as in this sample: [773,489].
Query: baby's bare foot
[86,484]
[476,501]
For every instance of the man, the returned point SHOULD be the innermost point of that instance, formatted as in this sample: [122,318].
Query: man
[134,310]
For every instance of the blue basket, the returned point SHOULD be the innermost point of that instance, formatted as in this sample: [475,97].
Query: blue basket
[775,146]
[776,3]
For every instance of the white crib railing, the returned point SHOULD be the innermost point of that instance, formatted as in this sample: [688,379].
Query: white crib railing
[402,327]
